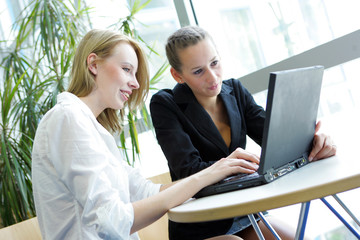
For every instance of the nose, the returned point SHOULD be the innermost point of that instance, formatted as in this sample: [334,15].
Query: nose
[212,76]
[134,84]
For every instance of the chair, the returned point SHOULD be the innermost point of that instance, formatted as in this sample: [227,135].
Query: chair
[28,229]
[159,229]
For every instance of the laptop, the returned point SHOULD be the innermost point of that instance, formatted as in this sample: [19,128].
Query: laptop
[291,112]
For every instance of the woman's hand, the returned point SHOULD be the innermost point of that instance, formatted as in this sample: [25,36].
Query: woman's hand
[239,161]
[240,153]
[249,162]
[323,146]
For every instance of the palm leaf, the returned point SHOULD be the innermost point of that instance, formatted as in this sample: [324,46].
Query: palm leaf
[35,71]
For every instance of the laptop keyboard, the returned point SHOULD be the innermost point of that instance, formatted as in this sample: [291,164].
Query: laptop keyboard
[243,176]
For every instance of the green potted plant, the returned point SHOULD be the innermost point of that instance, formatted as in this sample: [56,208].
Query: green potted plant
[36,69]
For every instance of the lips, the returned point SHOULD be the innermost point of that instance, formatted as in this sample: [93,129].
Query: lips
[213,87]
[126,94]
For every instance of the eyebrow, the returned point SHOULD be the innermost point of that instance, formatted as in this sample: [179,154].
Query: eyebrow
[127,63]
[211,60]
[130,65]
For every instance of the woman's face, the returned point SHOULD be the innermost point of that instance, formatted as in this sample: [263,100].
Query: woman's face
[115,77]
[201,69]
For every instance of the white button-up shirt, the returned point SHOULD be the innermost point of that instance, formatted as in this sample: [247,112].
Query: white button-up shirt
[82,188]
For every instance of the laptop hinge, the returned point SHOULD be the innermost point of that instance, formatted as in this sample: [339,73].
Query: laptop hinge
[273,174]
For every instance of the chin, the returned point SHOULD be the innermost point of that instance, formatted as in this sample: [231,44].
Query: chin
[218,90]
[118,106]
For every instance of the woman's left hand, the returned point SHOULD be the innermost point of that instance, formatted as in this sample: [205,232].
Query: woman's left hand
[323,146]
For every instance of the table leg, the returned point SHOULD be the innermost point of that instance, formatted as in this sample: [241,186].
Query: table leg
[272,230]
[304,211]
[353,230]
[256,227]
[347,209]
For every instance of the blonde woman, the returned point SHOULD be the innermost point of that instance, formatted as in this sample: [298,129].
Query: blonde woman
[82,187]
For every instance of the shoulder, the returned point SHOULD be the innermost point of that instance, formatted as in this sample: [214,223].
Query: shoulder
[181,93]
[69,112]
[163,95]
[162,102]
[234,86]
[233,83]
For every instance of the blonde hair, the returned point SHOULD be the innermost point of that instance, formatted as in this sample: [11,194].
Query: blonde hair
[181,39]
[102,43]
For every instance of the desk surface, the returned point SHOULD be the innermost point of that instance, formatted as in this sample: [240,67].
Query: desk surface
[315,180]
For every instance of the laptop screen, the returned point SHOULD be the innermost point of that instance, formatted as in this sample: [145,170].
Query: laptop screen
[291,113]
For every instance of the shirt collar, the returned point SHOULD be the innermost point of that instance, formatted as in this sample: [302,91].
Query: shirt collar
[70,98]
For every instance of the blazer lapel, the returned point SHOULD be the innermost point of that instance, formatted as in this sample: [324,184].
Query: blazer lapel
[234,115]
[199,117]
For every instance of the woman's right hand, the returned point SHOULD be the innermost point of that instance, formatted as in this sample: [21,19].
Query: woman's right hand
[239,161]
[240,153]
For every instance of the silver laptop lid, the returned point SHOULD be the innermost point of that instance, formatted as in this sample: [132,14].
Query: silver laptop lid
[291,113]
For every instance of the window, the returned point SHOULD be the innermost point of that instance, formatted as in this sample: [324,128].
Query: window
[251,35]
[255,34]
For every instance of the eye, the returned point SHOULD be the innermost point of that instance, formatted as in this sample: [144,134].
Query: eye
[126,69]
[198,71]
[214,63]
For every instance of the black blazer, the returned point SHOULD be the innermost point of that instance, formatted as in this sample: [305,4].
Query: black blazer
[191,142]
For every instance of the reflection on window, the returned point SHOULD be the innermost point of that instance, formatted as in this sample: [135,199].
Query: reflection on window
[156,22]
[243,29]
[273,30]
[4,18]
[251,35]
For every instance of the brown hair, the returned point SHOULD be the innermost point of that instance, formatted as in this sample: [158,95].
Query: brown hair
[102,43]
[181,39]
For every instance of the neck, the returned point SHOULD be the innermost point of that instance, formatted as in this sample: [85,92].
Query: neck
[92,103]
[210,104]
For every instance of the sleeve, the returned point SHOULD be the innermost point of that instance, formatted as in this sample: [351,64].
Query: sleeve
[81,160]
[254,114]
[183,158]
[140,187]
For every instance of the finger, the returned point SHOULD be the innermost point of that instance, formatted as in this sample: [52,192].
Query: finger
[317,127]
[240,169]
[328,150]
[243,154]
[226,167]
[244,164]
[246,170]
[318,144]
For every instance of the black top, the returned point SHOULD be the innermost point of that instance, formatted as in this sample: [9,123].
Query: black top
[191,142]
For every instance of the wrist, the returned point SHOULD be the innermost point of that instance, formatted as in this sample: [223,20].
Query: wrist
[200,179]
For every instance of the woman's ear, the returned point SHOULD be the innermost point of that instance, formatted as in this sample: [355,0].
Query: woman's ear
[92,65]
[176,75]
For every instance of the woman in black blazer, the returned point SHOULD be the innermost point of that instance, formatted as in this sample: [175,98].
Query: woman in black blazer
[203,119]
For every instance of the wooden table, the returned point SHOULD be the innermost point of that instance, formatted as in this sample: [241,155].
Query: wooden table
[316,180]
[313,181]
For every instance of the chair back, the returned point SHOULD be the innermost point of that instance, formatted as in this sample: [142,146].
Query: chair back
[159,229]
[28,229]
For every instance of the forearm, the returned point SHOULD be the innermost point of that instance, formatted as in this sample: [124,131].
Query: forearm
[149,210]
